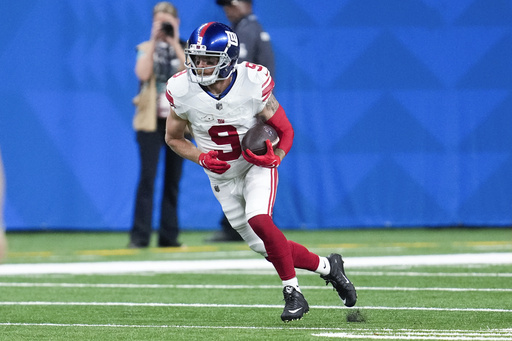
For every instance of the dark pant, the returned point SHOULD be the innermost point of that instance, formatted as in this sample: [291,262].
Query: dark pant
[150,145]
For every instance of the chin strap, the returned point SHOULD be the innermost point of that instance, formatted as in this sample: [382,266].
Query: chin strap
[283,128]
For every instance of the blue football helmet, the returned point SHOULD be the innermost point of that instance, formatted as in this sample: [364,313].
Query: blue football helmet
[212,39]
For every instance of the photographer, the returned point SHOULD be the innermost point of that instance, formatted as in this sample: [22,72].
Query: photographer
[157,60]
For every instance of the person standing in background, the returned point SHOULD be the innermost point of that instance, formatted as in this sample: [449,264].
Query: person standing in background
[157,60]
[255,47]
[3,240]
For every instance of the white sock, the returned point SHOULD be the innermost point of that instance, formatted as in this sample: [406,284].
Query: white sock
[324,268]
[294,282]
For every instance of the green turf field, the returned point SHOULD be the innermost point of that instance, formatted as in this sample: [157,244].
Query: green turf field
[409,296]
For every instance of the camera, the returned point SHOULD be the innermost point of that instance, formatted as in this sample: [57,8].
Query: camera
[168,29]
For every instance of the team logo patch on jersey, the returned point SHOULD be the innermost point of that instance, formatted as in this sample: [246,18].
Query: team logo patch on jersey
[221,121]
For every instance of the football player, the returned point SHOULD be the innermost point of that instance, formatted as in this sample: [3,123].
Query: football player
[219,100]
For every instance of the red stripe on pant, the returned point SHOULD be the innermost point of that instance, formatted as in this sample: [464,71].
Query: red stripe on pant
[274,177]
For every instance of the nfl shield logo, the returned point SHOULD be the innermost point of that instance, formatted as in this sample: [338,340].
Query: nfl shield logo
[219,106]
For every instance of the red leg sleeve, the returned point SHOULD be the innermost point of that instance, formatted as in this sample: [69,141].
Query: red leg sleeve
[302,257]
[276,245]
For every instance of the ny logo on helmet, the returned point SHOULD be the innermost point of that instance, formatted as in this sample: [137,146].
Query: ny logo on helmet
[232,37]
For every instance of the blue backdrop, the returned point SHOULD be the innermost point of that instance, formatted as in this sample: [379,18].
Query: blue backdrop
[402,111]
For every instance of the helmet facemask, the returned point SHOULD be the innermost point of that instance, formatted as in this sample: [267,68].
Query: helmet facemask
[197,74]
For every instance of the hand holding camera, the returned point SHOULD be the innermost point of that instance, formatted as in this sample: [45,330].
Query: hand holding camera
[168,29]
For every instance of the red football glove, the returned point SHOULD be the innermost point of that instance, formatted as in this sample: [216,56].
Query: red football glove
[268,160]
[209,161]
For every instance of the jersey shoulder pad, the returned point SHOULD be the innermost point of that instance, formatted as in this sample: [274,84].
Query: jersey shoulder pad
[178,85]
[255,72]
[260,76]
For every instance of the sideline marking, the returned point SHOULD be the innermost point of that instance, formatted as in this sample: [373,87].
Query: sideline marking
[251,306]
[243,264]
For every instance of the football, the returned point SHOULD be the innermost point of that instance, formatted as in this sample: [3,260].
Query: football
[255,138]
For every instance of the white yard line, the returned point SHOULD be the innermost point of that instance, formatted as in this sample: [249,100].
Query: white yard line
[431,274]
[250,306]
[230,287]
[391,335]
[489,331]
[340,333]
[243,264]
[356,333]
[418,334]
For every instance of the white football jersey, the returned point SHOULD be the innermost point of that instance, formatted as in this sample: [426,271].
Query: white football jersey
[220,124]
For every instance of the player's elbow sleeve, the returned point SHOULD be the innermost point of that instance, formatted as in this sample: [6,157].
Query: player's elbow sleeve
[279,121]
